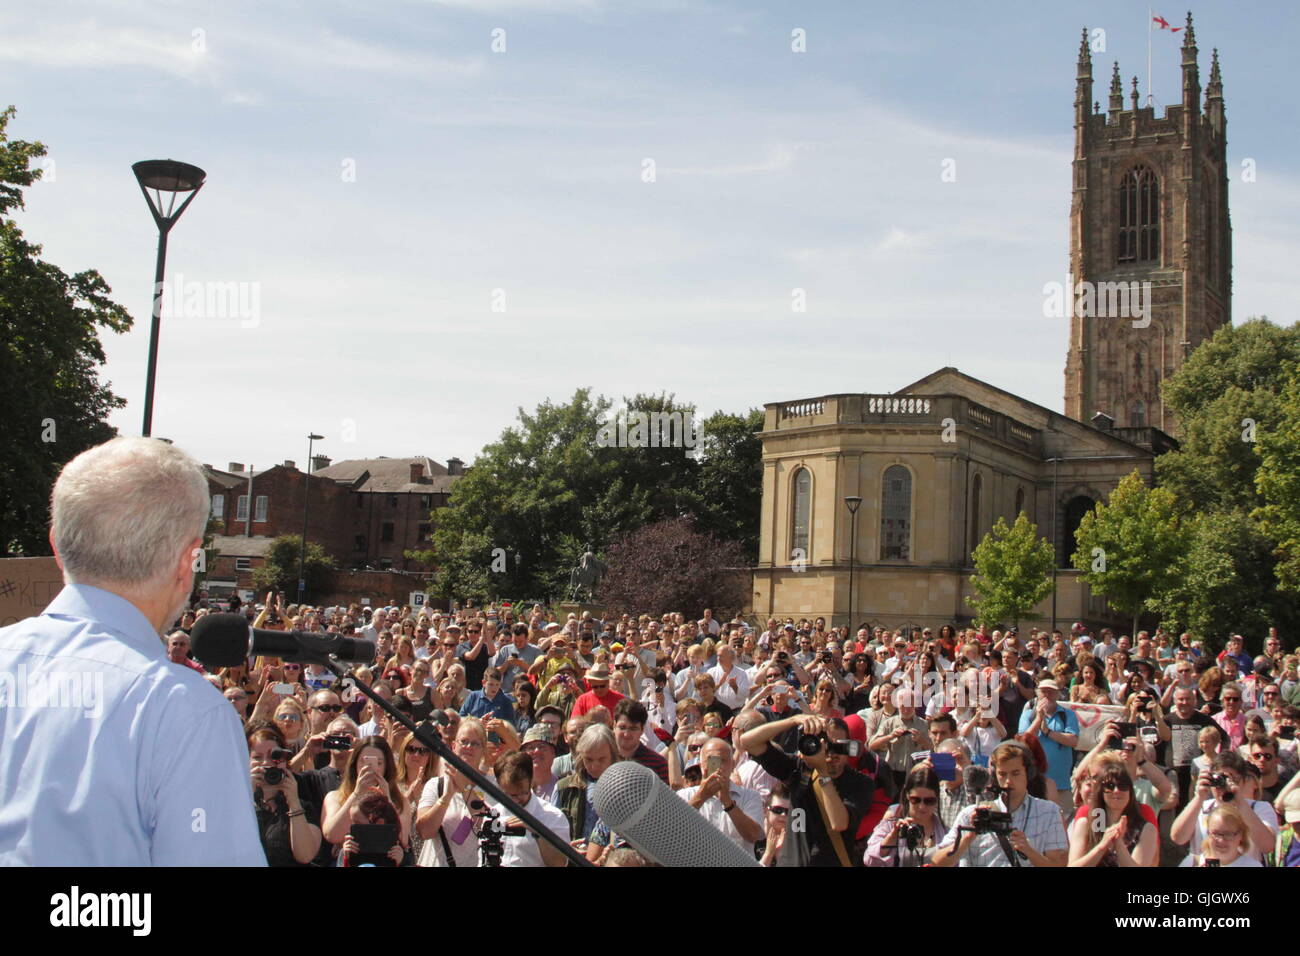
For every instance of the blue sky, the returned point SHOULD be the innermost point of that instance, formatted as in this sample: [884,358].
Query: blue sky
[521,171]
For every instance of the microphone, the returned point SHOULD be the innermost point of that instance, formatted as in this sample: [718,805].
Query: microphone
[223,640]
[975,779]
[633,802]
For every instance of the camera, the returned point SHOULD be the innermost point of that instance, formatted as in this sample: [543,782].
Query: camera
[337,742]
[811,744]
[491,833]
[1219,780]
[912,834]
[273,776]
[825,657]
[991,821]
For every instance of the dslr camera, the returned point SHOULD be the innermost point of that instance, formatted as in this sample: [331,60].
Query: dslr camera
[912,834]
[811,744]
[986,820]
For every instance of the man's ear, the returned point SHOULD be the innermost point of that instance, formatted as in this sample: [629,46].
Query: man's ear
[55,551]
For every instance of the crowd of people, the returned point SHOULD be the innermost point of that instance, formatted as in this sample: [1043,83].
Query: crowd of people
[805,745]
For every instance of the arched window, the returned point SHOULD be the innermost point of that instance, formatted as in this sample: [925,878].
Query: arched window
[1020,501]
[975,487]
[1075,509]
[1137,415]
[1139,216]
[896,514]
[802,512]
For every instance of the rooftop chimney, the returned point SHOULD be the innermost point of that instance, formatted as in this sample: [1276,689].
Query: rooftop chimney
[290,465]
[455,466]
[319,461]
[417,472]
[235,467]
[1103,422]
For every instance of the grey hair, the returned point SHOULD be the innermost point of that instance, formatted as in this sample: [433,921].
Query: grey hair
[121,512]
[593,736]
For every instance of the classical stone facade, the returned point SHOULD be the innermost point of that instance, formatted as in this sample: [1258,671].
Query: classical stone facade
[1150,205]
[935,464]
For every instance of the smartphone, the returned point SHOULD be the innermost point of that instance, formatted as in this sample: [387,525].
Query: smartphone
[282,689]
[713,765]
[945,766]
[1126,729]
[493,737]
[337,742]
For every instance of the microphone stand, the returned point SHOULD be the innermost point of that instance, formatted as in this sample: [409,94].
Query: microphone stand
[433,740]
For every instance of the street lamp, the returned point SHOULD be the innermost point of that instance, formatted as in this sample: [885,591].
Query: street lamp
[168,179]
[306,498]
[853,502]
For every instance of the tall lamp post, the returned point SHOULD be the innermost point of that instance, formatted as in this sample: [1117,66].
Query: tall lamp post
[853,502]
[306,500]
[169,180]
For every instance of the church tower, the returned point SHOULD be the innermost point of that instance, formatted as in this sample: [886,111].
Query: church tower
[1150,211]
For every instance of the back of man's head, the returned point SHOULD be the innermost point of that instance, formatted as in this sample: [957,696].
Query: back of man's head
[122,513]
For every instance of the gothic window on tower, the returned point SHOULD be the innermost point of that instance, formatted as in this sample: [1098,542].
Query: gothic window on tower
[1137,415]
[896,514]
[1139,216]
[802,512]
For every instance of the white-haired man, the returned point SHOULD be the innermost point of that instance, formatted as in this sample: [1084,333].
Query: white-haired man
[141,762]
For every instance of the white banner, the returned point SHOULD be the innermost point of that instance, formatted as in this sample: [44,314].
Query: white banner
[1092,717]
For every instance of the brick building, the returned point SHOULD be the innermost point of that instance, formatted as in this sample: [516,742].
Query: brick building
[365,513]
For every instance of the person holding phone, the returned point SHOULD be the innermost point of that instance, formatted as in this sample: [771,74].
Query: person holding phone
[371,770]
[900,735]
[734,810]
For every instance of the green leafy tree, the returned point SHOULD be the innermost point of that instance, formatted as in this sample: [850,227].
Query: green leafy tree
[567,478]
[1131,548]
[1278,483]
[1224,395]
[1224,582]
[54,405]
[1013,572]
[727,495]
[280,572]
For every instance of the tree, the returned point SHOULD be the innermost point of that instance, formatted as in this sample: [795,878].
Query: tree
[1224,395]
[54,405]
[579,475]
[669,565]
[727,497]
[280,572]
[1278,483]
[1224,581]
[1131,547]
[1013,572]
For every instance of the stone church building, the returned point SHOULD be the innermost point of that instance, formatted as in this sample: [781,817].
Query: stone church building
[936,463]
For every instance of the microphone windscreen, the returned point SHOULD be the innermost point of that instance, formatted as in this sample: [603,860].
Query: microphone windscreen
[634,803]
[220,640]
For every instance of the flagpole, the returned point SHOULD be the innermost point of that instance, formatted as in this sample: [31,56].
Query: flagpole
[1150,20]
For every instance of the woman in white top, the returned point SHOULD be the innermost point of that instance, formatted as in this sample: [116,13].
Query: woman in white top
[1227,841]
[445,820]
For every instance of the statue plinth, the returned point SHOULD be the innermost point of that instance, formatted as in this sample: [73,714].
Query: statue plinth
[573,607]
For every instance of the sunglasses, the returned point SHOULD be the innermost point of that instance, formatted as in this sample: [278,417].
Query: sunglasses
[328,708]
[694,747]
[293,667]
[418,751]
[1229,700]
[289,718]
[922,801]
[1112,785]
[779,811]
[449,644]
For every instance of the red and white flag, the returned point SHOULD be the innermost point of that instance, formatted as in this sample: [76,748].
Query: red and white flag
[1163,24]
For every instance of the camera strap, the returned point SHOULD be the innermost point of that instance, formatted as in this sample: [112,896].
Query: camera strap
[836,840]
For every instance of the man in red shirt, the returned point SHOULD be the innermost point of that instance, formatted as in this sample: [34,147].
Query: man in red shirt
[598,693]
[178,651]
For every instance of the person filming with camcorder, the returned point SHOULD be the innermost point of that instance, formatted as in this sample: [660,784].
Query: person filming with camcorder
[1013,830]
[828,797]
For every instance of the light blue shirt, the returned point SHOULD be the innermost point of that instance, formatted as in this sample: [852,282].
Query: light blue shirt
[112,755]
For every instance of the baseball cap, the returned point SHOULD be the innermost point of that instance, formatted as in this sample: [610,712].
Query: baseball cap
[540,732]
